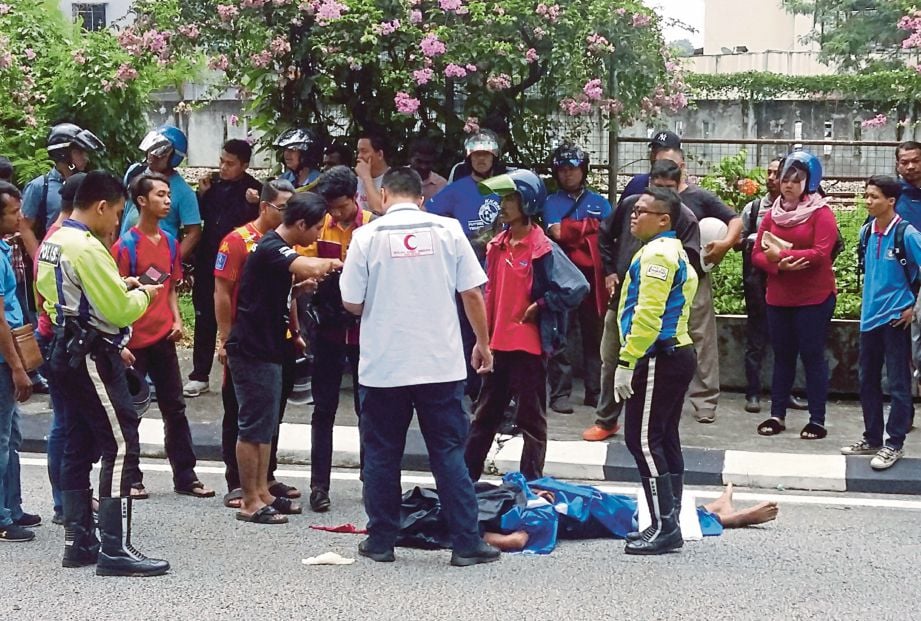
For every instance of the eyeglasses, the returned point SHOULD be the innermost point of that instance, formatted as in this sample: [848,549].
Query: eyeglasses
[277,207]
[637,211]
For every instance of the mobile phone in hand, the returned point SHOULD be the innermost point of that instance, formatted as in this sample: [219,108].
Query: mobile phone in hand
[153,276]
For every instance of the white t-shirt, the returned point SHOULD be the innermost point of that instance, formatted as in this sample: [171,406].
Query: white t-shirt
[361,196]
[406,268]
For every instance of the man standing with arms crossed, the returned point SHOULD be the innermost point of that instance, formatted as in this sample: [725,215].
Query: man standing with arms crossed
[402,270]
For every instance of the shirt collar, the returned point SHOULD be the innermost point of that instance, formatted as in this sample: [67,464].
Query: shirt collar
[892,223]
[403,207]
[70,223]
[668,233]
[55,175]
[5,248]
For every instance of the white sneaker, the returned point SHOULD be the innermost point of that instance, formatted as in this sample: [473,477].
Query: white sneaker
[860,448]
[886,458]
[193,388]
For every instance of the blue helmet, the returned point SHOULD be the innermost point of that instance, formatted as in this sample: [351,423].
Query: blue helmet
[166,137]
[804,160]
[529,186]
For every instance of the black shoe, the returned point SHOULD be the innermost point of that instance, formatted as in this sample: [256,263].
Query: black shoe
[81,547]
[15,533]
[664,534]
[118,557]
[591,401]
[561,405]
[39,385]
[381,556]
[483,553]
[319,500]
[57,519]
[753,405]
[29,520]
[508,428]
[798,403]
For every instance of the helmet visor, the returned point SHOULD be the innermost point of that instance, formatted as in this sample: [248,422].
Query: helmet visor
[503,185]
[88,141]
[155,144]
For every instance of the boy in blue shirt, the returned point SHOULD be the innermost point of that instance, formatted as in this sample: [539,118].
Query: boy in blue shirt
[885,320]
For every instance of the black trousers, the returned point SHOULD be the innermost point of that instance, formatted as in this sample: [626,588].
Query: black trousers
[756,329]
[559,368]
[161,362]
[514,373]
[230,428]
[101,420]
[331,354]
[660,383]
[205,322]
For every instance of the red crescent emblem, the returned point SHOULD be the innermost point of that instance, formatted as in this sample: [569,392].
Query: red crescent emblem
[409,240]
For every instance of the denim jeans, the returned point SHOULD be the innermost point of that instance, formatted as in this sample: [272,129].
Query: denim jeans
[891,346]
[10,441]
[385,417]
[55,441]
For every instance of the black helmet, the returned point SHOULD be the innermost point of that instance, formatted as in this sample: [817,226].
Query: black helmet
[305,141]
[64,136]
[570,155]
[140,391]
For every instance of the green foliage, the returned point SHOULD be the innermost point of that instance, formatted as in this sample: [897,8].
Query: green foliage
[856,35]
[52,71]
[734,182]
[341,65]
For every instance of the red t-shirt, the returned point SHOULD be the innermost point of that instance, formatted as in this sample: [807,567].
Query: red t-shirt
[157,321]
[235,248]
[45,328]
[508,291]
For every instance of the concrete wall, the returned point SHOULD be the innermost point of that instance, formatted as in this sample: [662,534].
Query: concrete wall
[774,61]
[759,25]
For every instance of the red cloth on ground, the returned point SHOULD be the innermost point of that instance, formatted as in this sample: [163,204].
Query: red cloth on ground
[349,529]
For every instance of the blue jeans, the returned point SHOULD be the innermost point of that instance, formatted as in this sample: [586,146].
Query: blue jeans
[10,441]
[891,346]
[800,331]
[385,417]
[55,442]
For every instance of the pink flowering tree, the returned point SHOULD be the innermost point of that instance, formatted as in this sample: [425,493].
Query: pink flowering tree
[52,71]
[429,66]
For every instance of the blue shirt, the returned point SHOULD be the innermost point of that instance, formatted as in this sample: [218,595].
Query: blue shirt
[11,309]
[462,201]
[290,175]
[636,185]
[32,198]
[886,292]
[183,209]
[559,203]
[909,204]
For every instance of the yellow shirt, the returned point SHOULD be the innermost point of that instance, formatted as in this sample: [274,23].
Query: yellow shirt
[334,240]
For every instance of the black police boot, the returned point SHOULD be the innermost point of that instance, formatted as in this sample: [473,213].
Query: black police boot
[664,533]
[677,492]
[117,556]
[81,547]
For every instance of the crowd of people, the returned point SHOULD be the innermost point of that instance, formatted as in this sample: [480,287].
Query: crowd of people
[351,261]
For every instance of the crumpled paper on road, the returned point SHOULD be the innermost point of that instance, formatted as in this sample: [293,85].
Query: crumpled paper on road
[327,558]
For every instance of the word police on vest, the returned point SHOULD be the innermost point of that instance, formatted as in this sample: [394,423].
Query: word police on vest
[711,229]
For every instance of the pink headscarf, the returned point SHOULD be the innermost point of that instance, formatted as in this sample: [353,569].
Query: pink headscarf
[786,214]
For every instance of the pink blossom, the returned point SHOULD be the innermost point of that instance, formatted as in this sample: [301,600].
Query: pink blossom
[641,20]
[450,5]
[79,58]
[261,60]
[472,125]
[406,104]
[598,44]
[415,16]
[387,28]
[879,120]
[539,33]
[499,82]
[576,107]
[612,106]
[6,60]
[227,12]
[31,121]
[5,8]
[531,55]
[432,46]
[677,102]
[279,46]
[253,4]
[470,68]
[329,10]
[281,2]
[106,85]
[550,12]
[423,76]
[592,89]
[190,31]
[30,53]
[221,63]
[234,120]
[621,11]
[126,73]
[455,71]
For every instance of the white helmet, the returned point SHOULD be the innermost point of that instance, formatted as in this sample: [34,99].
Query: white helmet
[711,229]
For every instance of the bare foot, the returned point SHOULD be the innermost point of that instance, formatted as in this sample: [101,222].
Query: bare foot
[507,543]
[723,504]
[759,514]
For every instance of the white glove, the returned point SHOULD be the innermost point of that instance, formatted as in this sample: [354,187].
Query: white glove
[623,384]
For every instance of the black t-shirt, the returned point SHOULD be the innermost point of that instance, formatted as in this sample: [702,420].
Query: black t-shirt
[263,304]
[706,204]
[223,208]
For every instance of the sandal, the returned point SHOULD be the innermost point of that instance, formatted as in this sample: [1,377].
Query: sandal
[139,492]
[265,515]
[286,506]
[813,432]
[233,499]
[280,490]
[197,489]
[771,427]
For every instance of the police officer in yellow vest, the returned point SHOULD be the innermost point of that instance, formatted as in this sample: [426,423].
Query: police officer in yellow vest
[92,308]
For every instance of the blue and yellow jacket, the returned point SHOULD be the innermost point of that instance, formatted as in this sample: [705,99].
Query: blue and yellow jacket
[655,304]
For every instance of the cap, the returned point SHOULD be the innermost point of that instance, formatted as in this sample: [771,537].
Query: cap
[665,140]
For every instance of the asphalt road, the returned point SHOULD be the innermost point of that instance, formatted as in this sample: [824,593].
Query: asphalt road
[826,557]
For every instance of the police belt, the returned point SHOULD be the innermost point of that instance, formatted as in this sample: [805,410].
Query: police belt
[664,346]
[82,340]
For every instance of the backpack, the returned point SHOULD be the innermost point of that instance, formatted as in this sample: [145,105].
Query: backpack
[898,249]
[130,245]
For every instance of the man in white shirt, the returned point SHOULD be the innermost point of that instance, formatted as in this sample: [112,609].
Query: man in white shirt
[370,168]
[401,275]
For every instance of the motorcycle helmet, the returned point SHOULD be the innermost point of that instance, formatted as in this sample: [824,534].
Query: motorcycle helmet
[64,136]
[527,184]
[807,162]
[159,141]
[139,390]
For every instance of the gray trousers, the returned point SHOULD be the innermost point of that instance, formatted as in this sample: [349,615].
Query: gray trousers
[704,392]
[608,411]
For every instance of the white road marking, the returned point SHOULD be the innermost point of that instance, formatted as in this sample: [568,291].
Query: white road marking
[630,490]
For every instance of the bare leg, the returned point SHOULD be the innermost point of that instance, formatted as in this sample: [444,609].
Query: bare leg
[759,514]
[507,543]
[264,457]
[252,476]
[723,504]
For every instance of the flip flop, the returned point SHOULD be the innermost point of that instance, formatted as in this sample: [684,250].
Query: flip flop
[286,506]
[233,498]
[141,492]
[280,490]
[193,489]
[813,432]
[771,427]
[265,515]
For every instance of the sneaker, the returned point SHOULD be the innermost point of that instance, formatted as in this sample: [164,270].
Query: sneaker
[15,532]
[860,448]
[193,388]
[57,519]
[886,458]
[597,433]
[561,405]
[29,520]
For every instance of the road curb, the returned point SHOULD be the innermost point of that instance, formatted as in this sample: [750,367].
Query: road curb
[590,461]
